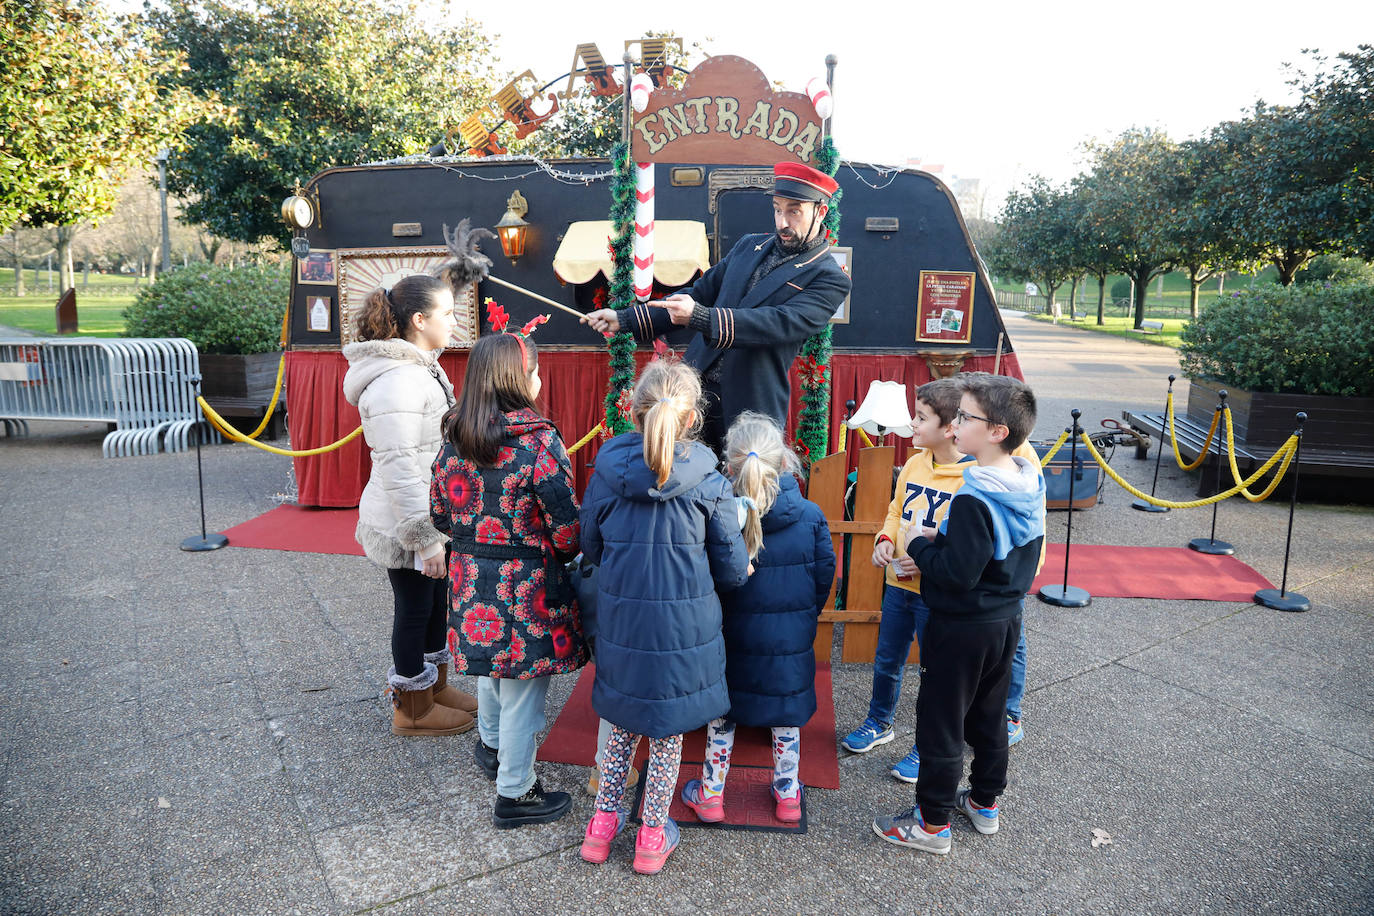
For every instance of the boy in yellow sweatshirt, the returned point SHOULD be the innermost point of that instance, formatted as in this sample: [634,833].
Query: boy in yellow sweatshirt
[925,486]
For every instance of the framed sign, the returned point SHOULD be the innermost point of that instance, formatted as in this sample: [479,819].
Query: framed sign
[845,258]
[362,270]
[944,307]
[317,267]
[317,309]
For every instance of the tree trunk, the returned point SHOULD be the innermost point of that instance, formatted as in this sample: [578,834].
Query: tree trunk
[1221,282]
[1289,263]
[1049,296]
[1073,296]
[1102,299]
[64,258]
[1196,277]
[1142,282]
[18,274]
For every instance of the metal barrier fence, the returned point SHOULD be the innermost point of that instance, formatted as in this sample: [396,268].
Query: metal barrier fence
[140,386]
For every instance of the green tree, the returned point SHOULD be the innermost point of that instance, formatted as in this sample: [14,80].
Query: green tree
[83,101]
[312,84]
[1095,250]
[1129,207]
[1034,243]
[1203,242]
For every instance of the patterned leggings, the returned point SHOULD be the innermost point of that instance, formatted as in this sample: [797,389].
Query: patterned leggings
[720,740]
[665,757]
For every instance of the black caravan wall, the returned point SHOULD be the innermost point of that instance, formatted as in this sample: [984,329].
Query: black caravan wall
[896,224]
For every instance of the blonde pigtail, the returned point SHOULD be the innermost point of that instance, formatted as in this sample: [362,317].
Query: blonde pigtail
[758,456]
[666,408]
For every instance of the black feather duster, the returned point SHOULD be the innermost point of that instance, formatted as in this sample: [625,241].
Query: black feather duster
[466,265]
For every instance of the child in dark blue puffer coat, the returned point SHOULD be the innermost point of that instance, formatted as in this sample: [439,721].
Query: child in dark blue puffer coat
[662,524]
[770,623]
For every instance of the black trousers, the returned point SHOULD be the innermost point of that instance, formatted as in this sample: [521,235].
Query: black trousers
[419,623]
[965,670]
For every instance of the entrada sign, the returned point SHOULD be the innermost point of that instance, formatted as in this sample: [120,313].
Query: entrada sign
[726,113]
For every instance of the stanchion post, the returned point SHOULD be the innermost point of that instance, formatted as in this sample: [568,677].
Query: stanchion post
[205,541]
[849,406]
[1281,600]
[1067,595]
[1210,545]
[1144,505]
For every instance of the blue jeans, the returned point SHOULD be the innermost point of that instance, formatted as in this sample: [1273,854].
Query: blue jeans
[1017,689]
[904,617]
[510,713]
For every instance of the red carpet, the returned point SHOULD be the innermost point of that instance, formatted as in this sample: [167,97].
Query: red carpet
[573,737]
[748,796]
[296,528]
[1171,573]
[1174,573]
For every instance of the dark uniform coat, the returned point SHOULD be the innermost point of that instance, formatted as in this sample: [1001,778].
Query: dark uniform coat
[755,335]
[513,607]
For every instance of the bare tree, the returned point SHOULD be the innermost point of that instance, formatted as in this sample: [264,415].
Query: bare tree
[20,245]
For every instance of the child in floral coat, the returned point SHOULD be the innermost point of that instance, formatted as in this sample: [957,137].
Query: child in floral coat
[503,491]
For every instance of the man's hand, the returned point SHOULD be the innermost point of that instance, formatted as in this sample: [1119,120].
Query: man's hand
[882,553]
[603,321]
[679,307]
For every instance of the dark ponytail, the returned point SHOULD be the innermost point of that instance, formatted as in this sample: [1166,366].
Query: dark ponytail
[496,382]
[387,314]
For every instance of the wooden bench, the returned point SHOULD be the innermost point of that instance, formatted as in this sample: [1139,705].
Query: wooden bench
[1149,326]
[1190,438]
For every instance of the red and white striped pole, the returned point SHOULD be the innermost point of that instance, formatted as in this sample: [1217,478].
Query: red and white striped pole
[644,231]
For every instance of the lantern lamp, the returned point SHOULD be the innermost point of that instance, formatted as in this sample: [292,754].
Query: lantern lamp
[512,229]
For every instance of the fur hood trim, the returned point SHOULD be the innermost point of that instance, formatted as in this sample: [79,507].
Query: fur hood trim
[370,359]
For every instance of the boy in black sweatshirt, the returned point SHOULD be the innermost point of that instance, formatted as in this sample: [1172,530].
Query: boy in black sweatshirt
[974,571]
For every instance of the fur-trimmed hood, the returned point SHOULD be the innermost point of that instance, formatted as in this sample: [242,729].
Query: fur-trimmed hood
[370,359]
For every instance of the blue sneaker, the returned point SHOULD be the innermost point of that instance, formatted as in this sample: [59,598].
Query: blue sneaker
[908,768]
[906,828]
[984,820]
[1014,731]
[867,736]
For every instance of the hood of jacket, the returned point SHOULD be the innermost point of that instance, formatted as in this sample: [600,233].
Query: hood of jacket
[620,465]
[369,359]
[787,508]
[1016,501]
[525,421]
[940,474]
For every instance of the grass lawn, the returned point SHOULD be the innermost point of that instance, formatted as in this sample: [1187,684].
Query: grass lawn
[1174,301]
[1121,327]
[100,317]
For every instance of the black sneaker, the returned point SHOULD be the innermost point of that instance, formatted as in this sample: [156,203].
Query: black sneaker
[534,807]
[486,758]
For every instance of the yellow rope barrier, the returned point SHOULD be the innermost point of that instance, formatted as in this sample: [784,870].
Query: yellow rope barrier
[1054,449]
[587,438]
[868,443]
[1235,469]
[1285,453]
[229,431]
[1173,436]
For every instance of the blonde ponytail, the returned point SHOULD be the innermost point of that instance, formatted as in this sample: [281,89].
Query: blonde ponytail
[666,409]
[758,456]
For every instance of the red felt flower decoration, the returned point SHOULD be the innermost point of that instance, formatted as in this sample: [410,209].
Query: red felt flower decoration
[624,402]
[811,373]
[533,323]
[497,316]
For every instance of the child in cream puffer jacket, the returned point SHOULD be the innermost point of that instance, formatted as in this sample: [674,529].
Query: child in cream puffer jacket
[401,393]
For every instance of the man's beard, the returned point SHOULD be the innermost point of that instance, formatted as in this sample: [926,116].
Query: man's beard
[790,243]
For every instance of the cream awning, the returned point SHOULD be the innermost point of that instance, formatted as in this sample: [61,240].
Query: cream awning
[680,250]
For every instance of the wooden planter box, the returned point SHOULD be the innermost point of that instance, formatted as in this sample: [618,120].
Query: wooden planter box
[1265,419]
[239,387]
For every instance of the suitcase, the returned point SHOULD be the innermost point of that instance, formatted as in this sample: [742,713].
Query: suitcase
[1087,478]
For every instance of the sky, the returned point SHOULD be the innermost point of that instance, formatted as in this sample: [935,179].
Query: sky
[997,91]
[993,90]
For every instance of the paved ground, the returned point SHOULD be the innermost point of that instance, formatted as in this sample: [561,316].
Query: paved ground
[204,733]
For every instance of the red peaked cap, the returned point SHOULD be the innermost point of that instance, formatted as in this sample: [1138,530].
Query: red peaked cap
[801,182]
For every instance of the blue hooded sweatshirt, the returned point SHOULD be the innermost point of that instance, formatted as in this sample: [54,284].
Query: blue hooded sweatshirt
[985,555]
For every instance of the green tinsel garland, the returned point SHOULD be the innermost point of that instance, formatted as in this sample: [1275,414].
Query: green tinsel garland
[813,425]
[621,345]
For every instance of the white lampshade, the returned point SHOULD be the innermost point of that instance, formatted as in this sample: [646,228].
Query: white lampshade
[883,411]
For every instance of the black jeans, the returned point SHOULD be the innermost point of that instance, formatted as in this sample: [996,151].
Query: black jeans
[965,670]
[420,621]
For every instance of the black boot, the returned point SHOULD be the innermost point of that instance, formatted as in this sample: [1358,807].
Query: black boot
[534,807]
[486,758]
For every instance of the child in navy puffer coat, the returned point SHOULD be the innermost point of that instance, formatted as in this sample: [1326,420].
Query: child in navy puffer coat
[662,524]
[770,623]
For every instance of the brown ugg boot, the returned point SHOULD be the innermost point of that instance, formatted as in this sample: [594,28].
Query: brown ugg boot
[444,693]
[414,709]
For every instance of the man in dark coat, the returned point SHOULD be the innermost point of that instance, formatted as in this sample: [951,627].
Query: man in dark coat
[754,308]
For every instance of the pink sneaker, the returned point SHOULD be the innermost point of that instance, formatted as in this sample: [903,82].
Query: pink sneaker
[708,810]
[604,827]
[653,846]
[788,810]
